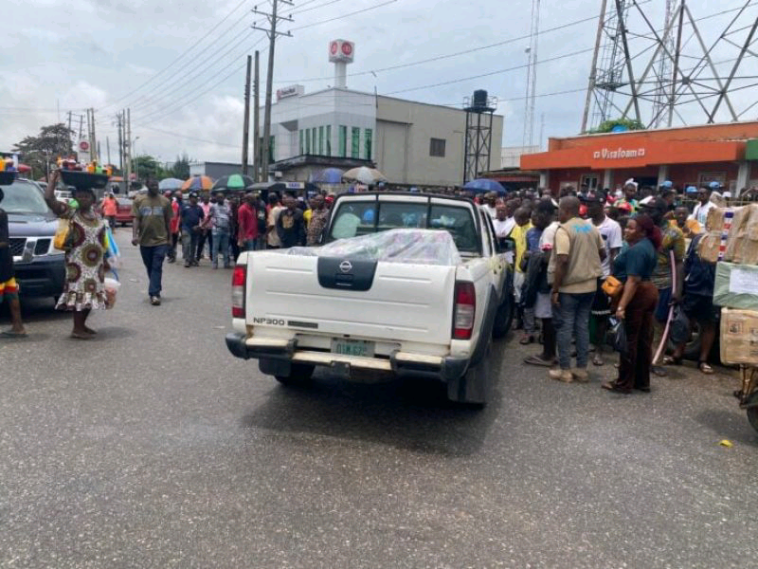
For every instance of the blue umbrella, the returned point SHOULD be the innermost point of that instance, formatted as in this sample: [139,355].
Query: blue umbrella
[484,185]
[327,176]
[170,184]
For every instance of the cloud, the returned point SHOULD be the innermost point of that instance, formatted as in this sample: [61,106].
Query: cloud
[94,53]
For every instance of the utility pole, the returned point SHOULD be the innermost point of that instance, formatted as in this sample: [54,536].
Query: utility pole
[273,19]
[128,148]
[93,142]
[120,145]
[257,120]
[81,125]
[108,148]
[246,121]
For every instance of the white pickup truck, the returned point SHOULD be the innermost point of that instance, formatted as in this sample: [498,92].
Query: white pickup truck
[296,312]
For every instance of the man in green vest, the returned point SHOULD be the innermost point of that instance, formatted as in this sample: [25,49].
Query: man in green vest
[575,266]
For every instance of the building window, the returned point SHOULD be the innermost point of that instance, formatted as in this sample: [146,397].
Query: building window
[302,147]
[328,140]
[437,147]
[314,134]
[321,141]
[343,142]
[355,147]
[367,142]
[307,141]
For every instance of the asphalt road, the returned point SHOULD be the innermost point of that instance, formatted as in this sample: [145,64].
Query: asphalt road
[152,446]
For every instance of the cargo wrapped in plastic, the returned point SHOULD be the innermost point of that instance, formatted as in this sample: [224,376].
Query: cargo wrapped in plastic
[733,231]
[736,286]
[739,337]
[413,246]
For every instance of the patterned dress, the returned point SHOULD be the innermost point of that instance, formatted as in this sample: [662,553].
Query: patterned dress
[85,264]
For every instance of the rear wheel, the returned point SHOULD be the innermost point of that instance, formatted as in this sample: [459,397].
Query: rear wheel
[299,376]
[504,317]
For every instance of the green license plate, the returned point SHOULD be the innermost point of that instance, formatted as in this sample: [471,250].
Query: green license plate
[353,348]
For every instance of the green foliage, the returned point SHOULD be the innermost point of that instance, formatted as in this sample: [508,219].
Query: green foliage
[147,168]
[180,168]
[52,142]
[609,125]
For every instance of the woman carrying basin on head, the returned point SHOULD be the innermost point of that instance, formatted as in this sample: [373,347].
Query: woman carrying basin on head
[83,289]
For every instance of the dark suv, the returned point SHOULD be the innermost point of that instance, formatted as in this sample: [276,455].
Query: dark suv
[40,268]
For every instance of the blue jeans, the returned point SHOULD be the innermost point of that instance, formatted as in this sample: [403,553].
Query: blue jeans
[153,258]
[220,245]
[572,319]
[250,245]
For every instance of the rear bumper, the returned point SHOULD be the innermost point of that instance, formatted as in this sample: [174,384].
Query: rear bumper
[399,363]
[43,276]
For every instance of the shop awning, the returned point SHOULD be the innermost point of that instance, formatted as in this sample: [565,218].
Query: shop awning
[634,154]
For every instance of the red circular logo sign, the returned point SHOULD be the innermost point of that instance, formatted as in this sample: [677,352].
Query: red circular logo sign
[333,48]
[84,145]
[347,49]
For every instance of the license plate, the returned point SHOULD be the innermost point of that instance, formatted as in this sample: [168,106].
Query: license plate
[353,348]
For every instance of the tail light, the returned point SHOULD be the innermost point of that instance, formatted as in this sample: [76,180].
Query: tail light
[238,291]
[465,310]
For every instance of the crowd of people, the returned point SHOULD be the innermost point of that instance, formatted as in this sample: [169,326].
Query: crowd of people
[643,243]
[566,252]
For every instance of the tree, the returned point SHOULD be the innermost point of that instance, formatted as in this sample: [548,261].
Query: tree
[181,168]
[147,168]
[618,125]
[53,141]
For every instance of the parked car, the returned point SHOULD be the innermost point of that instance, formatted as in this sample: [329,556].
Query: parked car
[296,312]
[40,268]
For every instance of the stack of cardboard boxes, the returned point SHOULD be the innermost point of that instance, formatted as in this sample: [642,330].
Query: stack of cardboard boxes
[732,241]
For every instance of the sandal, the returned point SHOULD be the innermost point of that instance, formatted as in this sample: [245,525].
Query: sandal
[526,339]
[671,361]
[705,368]
[12,334]
[79,336]
[598,360]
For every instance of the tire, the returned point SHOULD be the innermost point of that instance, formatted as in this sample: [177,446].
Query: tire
[300,376]
[504,317]
[692,348]
[474,386]
[752,412]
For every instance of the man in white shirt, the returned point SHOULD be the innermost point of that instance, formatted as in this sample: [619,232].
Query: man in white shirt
[700,213]
[503,224]
[613,240]
[490,204]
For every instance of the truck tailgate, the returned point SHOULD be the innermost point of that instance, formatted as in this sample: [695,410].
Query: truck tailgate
[405,302]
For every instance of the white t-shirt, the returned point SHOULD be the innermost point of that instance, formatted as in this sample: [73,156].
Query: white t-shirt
[700,213]
[503,228]
[492,210]
[547,243]
[610,231]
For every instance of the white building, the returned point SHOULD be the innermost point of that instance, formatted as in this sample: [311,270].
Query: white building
[510,156]
[411,143]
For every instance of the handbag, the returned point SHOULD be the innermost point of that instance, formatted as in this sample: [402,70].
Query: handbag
[613,287]
[61,240]
[618,332]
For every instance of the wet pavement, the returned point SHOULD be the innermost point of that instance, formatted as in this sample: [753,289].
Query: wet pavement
[151,446]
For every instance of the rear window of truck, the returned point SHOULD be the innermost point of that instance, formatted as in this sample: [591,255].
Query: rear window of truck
[356,218]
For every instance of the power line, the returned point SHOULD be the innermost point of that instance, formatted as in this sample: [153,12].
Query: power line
[185,52]
[496,72]
[449,55]
[374,7]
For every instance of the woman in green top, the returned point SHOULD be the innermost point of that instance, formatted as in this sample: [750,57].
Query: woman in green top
[633,267]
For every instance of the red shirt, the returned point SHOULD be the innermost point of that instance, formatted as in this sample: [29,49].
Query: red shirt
[248,223]
[175,220]
[110,207]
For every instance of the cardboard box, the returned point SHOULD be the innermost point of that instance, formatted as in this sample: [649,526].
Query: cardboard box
[739,337]
[736,286]
[742,240]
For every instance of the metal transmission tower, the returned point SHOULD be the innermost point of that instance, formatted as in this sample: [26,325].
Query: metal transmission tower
[674,72]
[478,144]
[531,76]
[664,70]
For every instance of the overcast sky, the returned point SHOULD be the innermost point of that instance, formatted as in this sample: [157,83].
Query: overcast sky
[110,54]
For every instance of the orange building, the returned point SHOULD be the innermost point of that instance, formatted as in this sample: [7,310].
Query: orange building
[688,156]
